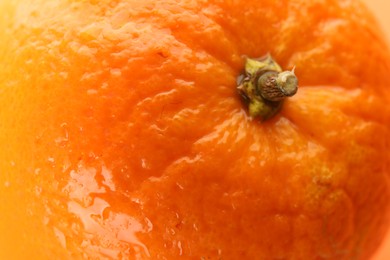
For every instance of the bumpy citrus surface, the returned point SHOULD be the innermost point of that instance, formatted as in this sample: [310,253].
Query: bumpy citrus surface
[122,135]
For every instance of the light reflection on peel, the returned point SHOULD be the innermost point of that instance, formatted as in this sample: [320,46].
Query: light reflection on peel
[108,233]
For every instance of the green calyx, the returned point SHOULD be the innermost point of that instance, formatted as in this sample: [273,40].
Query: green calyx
[264,86]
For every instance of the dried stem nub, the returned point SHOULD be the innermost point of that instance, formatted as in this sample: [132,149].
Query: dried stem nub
[264,86]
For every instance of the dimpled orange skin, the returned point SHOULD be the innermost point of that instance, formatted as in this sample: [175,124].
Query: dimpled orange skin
[122,135]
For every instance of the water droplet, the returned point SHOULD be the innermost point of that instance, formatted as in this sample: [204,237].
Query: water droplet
[116,72]
[61,141]
[180,248]
[104,85]
[63,74]
[82,184]
[37,171]
[86,214]
[110,229]
[66,165]
[92,91]
[180,186]
[149,225]
[45,220]
[144,164]
[195,227]
[38,190]
[107,178]
[60,237]
[135,200]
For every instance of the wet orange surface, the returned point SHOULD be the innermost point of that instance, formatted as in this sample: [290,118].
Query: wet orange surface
[381,9]
[122,135]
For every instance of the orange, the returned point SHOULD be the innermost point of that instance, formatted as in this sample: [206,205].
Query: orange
[122,134]
[381,10]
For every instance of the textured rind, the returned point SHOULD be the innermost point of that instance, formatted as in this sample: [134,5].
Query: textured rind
[149,151]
